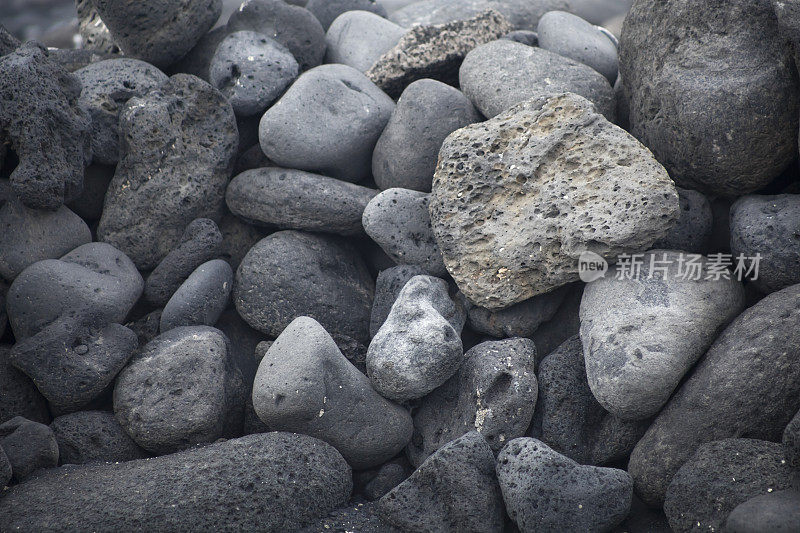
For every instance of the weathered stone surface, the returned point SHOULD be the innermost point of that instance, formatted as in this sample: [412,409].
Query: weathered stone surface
[518,198]
[692,232]
[546,491]
[777,511]
[387,288]
[791,441]
[718,477]
[713,91]
[200,300]
[359,38]
[328,11]
[305,385]
[747,384]
[641,335]
[270,481]
[454,490]
[93,437]
[494,393]
[434,51]
[20,396]
[519,320]
[178,146]
[502,73]
[523,14]
[93,31]
[29,446]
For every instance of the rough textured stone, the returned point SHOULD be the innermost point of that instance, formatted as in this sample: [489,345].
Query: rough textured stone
[718,477]
[74,359]
[200,242]
[95,276]
[387,477]
[544,490]
[518,198]
[359,38]
[5,469]
[28,446]
[290,274]
[293,26]
[200,300]
[769,226]
[399,221]
[387,288]
[178,146]
[494,393]
[327,11]
[791,441]
[93,437]
[293,199]
[353,110]
[31,235]
[185,371]
[418,347]
[502,73]
[273,482]
[408,149]
[251,70]
[692,232]
[238,238]
[434,51]
[523,14]
[641,335]
[20,396]
[158,31]
[519,320]
[713,91]
[454,490]
[107,86]
[570,36]
[748,384]
[778,512]
[305,385]
[40,104]
[569,418]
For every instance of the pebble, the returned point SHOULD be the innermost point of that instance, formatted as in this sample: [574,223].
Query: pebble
[157,31]
[74,359]
[387,288]
[454,490]
[359,38]
[494,393]
[200,300]
[353,110]
[107,86]
[518,198]
[251,71]
[305,385]
[418,347]
[327,11]
[706,137]
[20,396]
[408,149]
[389,476]
[774,511]
[93,437]
[31,235]
[434,51]
[692,231]
[39,100]
[290,274]
[293,26]
[768,226]
[178,150]
[201,242]
[641,336]
[519,320]
[571,421]
[293,199]
[187,370]
[502,73]
[721,475]
[546,491]
[94,277]
[238,238]
[29,446]
[273,482]
[399,221]
[748,383]
[570,36]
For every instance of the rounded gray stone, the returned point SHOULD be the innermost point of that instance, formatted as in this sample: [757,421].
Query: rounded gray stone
[327,11]
[359,38]
[523,14]
[200,300]
[777,511]
[387,288]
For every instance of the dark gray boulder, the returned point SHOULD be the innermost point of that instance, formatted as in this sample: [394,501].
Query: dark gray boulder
[777,511]
[29,446]
[327,11]
[200,300]
[523,14]
[20,396]
[93,437]
[692,231]
[519,320]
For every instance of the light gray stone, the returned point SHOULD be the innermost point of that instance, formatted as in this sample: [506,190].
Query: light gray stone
[359,38]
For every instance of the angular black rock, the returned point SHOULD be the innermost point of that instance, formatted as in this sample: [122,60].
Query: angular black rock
[291,274]
[267,482]
[47,128]
[93,437]
[28,445]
